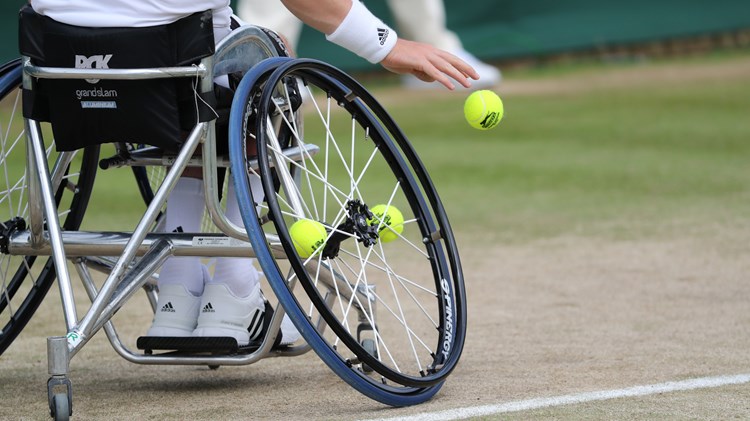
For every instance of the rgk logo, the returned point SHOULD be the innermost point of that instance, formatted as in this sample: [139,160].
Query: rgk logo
[93,62]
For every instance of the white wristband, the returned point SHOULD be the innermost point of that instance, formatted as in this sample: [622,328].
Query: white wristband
[364,34]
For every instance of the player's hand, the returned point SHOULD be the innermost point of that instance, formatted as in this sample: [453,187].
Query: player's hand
[428,64]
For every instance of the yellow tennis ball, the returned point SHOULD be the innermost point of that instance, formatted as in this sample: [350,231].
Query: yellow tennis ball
[392,218]
[483,109]
[309,237]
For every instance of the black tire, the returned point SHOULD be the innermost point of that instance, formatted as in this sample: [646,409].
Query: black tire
[25,280]
[372,163]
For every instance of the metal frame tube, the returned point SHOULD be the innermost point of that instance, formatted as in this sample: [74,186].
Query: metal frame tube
[36,212]
[61,165]
[86,327]
[83,243]
[53,223]
[135,279]
[88,284]
[211,187]
[153,156]
[287,181]
[36,205]
[40,72]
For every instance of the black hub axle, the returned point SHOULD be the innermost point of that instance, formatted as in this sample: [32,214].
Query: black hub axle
[356,224]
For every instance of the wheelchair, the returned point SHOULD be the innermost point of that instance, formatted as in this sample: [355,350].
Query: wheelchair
[383,305]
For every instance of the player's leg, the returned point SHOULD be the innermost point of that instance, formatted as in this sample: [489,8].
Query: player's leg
[181,279]
[233,304]
[228,303]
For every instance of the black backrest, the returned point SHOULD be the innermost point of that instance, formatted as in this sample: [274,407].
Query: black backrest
[85,112]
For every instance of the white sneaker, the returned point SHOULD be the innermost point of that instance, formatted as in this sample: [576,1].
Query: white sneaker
[289,332]
[176,312]
[489,75]
[224,314]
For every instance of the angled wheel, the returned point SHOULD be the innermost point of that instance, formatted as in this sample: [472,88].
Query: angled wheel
[372,279]
[25,280]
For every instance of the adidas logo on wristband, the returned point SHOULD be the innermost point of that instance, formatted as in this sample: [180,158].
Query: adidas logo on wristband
[355,33]
[383,35]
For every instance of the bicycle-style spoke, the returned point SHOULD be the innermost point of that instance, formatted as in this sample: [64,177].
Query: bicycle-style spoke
[351,167]
[371,286]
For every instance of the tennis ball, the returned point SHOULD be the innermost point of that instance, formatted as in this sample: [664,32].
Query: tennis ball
[392,218]
[483,109]
[309,237]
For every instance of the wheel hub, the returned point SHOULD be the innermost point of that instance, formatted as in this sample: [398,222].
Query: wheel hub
[356,223]
[8,227]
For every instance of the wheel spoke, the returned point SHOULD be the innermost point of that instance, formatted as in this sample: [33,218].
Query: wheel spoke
[370,299]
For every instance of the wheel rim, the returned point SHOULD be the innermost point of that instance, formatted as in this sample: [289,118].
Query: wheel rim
[430,324]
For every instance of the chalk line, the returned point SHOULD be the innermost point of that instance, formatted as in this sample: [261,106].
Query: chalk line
[537,403]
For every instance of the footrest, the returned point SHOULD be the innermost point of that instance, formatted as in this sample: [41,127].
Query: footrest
[217,345]
[214,345]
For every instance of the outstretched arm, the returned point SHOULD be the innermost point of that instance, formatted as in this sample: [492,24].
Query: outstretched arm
[323,15]
[346,23]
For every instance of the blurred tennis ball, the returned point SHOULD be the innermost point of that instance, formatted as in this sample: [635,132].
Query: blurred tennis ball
[483,109]
[392,218]
[309,237]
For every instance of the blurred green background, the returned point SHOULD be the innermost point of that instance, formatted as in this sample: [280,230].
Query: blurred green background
[503,29]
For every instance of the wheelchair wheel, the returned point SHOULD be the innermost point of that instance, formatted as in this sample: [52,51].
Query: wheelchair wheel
[25,280]
[383,305]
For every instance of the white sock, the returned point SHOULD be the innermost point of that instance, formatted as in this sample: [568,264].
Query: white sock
[238,273]
[185,207]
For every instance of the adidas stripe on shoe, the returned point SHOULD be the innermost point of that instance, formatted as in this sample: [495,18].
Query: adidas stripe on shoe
[225,315]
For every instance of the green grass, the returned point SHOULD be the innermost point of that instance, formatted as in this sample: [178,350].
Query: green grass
[116,203]
[616,162]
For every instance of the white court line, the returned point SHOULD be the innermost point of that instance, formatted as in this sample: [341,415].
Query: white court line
[537,403]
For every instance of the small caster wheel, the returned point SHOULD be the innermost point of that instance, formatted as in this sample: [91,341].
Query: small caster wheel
[214,367]
[60,407]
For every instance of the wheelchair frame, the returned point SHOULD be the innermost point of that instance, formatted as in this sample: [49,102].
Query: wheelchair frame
[153,248]
[130,260]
